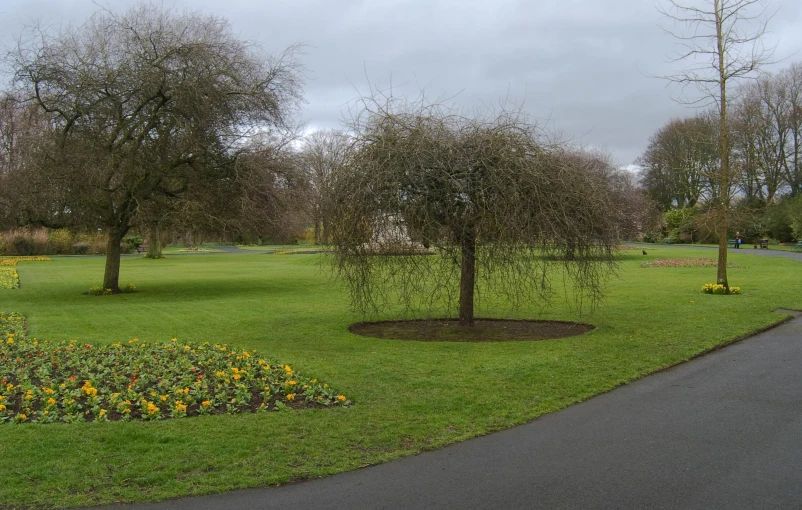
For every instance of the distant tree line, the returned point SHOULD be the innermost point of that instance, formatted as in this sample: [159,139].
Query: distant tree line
[680,164]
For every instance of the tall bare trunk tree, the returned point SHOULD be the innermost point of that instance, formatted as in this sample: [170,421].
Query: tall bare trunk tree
[721,43]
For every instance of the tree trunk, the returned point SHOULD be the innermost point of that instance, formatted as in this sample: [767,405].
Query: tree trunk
[724,155]
[111,276]
[467,281]
[154,244]
[317,239]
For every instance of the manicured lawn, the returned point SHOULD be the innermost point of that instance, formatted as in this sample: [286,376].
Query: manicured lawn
[408,396]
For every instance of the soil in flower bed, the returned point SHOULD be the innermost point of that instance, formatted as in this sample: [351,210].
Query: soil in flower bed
[484,330]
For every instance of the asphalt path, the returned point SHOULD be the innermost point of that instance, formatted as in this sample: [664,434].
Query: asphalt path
[721,431]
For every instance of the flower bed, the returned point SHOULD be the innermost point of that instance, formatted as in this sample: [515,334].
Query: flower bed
[12,261]
[9,279]
[46,382]
[685,262]
[715,288]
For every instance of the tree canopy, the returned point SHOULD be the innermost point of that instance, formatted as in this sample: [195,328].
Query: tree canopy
[500,208]
[142,108]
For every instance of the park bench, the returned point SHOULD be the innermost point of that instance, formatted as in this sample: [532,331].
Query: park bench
[764,244]
[731,242]
[798,246]
[142,248]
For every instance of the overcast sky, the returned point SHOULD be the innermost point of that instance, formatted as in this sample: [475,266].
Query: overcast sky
[580,66]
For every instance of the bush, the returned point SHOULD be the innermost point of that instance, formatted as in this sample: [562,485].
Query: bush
[680,224]
[132,243]
[776,221]
[59,242]
[81,248]
[23,246]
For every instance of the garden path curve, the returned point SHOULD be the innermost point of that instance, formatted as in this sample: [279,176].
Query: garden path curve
[721,431]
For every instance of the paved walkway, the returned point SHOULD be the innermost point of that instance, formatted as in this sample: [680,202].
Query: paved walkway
[722,431]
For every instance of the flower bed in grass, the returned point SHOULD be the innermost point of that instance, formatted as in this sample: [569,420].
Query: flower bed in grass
[45,382]
[716,288]
[8,278]
[12,261]
[685,262]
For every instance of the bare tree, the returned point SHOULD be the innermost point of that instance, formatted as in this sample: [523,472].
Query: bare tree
[322,155]
[791,81]
[500,207]
[723,45]
[145,105]
[677,162]
[20,127]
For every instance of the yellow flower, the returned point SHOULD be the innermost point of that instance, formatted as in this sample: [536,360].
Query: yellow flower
[236,377]
[102,413]
[290,397]
[88,389]
[341,398]
[50,401]
[2,407]
[292,383]
[206,403]
[22,416]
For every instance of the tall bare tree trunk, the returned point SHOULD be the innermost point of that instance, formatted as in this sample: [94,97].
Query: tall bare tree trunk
[724,155]
[467,281]
[111,276]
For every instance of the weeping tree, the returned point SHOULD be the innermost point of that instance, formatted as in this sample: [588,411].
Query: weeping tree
[142,107]
[502,211]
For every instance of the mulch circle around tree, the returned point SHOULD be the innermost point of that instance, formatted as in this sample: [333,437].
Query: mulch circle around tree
[484,330]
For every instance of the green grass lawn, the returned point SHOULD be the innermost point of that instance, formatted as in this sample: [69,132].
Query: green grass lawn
[408,396]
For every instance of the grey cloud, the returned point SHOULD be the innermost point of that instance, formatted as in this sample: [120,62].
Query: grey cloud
[581,65]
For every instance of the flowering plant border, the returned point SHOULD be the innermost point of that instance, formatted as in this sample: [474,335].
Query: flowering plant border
[46,382]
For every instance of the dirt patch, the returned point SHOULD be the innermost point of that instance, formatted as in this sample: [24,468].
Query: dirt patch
[484,330]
